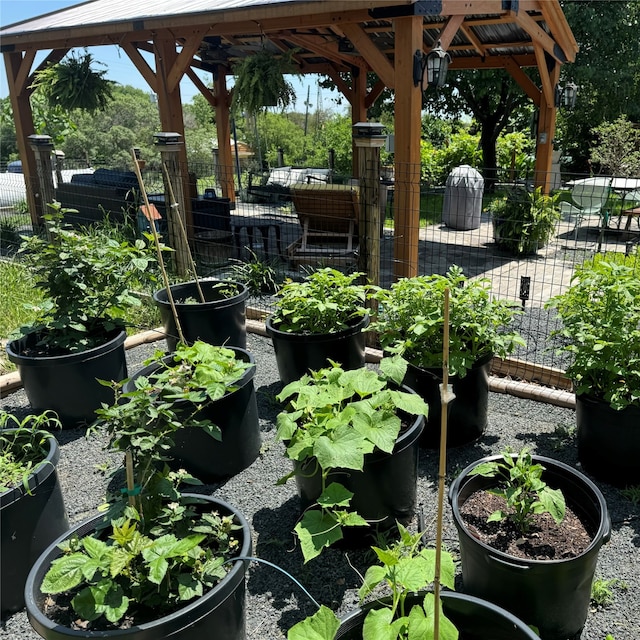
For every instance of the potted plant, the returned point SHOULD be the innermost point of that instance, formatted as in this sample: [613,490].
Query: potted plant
[353,439]
[260,81]
[79,333]
[408,571]
[530,529]
[210,310]
[600,314]
[157,563]
[318,319]
[410,322]
[208,392]
[524,221]
[31,504]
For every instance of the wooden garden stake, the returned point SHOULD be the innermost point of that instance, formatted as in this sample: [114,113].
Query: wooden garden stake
[446,396]
[131,484]
[174,208]
[156,239]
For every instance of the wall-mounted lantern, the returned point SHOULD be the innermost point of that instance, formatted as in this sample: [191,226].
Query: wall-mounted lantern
[566,96]
[431,70]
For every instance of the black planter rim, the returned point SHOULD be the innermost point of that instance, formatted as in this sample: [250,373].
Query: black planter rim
[451,596]
[358,325]
[436,372]
[247,376]
[190,611]
[602,534]
[161,297]
[590,399]
[114,340]
[43,471]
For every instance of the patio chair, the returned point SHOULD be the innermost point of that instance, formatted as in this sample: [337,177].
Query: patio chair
[630,212]
[328,215]
[589,198]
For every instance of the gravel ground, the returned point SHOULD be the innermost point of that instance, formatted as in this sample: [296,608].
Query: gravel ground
[273,602]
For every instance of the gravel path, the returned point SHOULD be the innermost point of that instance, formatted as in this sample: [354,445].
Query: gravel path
[273,603]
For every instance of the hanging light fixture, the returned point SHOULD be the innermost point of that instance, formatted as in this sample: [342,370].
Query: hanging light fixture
[436,66]
[566,96]
[431,70]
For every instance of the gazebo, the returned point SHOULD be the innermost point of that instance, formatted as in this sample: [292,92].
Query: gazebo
[342,40]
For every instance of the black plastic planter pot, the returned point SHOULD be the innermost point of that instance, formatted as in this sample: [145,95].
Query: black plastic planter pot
[384,491]
[236,414]
[608,441]
[297,353]
[29,523]
[467,413]
[69,384]
[553,595]
[475,619]
[219,320]
[219,613]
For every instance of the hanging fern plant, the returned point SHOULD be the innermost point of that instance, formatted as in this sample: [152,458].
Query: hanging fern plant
[73,84]
[260,81]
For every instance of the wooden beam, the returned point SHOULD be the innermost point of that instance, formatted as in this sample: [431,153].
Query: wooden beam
[358,114]
[408,103]
[223,128]
[493,62]
[341,85]
[23,120]
[141,65]
[182,62]
[544,146]
[539,36]
[324,49]
[523,80]
[374,93]
[374,57]
[547,88]
[202,88]
[479,48]
[24,71]
[450,30]
[557,22]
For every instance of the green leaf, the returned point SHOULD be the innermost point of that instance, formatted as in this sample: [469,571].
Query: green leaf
[414,573]
[419,626]
[554,503]
[378,625]
[372,578]
[322,625]
[65,574]
[394,368]
[315,531]
[188,587]
[335,495]
[345,450]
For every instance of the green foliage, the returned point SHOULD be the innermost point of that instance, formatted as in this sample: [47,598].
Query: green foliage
[73,84]
[161,550]
[260,81]
[516,154]
[437,163]
[325,301]
[85,280]
[404,569]
[600,316]
[524,221]
[332,420]
[617,147]
[602,594]
[260,277]
[524,491]
[410,321]
[18,291]
[25,448]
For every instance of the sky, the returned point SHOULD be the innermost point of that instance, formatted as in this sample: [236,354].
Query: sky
[120,69]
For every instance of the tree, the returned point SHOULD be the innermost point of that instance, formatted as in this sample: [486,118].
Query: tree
[618,148]
[606,70]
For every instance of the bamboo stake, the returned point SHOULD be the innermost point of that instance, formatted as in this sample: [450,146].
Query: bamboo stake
[175,211]
[445,397]
[131,484]
[156,239]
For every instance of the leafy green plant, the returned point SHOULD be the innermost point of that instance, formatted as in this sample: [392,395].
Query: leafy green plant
[524,221]
[632,493]
[333,419]
[410,321]
[602,594]
[155,549]
[405,568]
[523,489]
[325,301]
[25,447]
[73,84]
[86,281]
[600,315]
[258,276]
[260,81]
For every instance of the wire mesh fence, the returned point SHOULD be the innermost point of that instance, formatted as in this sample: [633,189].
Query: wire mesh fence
[289,220]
